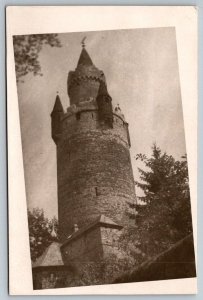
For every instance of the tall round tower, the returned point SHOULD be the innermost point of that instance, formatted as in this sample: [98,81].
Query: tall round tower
[94,170]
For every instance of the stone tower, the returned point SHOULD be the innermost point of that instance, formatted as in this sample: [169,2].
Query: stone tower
[94,170]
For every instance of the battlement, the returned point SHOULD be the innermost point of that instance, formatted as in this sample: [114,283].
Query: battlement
[85,117]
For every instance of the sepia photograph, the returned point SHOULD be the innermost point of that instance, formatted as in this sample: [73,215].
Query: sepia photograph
[104,156]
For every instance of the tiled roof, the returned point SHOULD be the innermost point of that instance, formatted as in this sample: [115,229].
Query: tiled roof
[50,257]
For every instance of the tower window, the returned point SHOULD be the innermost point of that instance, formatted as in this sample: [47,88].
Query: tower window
[96,191]
[92,116]
[78,116]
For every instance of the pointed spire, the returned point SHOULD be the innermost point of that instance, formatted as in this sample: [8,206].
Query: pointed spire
[84,59]
[57,106]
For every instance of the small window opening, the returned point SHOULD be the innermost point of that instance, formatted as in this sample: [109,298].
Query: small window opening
[78,116]
[92,116]
[96,191]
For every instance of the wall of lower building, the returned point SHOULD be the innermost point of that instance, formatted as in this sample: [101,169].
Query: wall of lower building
[52,277]
[110,243]
[96,254]
[86,247]
[96,244]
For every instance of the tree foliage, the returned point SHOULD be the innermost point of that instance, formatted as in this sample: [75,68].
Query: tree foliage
[40,232]
[26,52]
[166,215]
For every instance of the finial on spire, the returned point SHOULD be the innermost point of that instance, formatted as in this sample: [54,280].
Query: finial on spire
[53,232]
[117,108]
[83,42]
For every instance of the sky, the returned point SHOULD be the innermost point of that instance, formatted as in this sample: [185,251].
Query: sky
[141,70]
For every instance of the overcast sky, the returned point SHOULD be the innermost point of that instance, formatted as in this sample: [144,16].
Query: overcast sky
[141,69]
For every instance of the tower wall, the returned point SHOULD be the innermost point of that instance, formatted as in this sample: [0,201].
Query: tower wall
[94,171]
[83,89]
[84,83]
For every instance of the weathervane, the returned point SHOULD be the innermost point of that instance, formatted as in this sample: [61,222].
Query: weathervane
[83,42]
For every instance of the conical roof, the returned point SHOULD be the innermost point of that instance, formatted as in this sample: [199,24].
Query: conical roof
[85,59]
[57,106]
[51,257]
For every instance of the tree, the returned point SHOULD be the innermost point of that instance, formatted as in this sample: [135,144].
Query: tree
[26,52]
[167,210]
[40,232]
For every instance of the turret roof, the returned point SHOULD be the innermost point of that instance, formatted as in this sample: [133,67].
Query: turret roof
[50,257]
[85,58]
[57,106]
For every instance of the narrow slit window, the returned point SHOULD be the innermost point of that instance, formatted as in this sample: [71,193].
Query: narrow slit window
[78,116]
[96,191]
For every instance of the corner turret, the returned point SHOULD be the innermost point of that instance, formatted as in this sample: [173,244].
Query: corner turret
[104,102]
[56,115]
